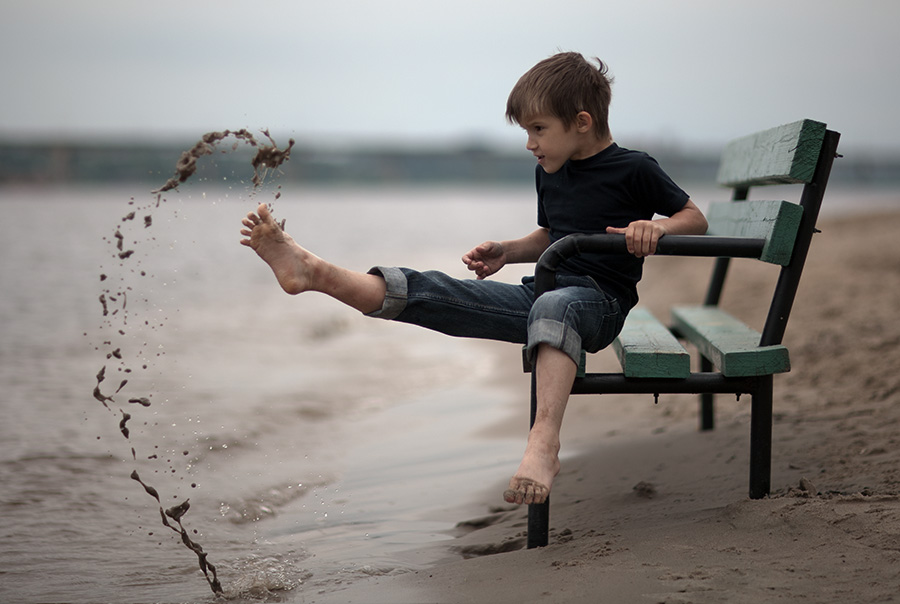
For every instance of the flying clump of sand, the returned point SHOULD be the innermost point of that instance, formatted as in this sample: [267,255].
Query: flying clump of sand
[267,157]
[118,318]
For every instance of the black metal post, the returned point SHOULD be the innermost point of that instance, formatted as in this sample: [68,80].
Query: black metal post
[789,278]
[761,439]
[717,282]
[720,270]
[695,383]
[538,513]
[707,400]
[670,245]
[713,295]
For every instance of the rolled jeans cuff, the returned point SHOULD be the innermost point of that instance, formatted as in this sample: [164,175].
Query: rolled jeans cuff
[556,334]
[395,295]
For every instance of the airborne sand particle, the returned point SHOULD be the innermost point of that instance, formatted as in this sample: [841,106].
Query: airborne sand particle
[268,157]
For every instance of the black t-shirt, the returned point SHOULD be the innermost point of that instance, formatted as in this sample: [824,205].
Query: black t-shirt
[612,188]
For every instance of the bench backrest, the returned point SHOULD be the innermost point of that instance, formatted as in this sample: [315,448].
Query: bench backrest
[775,221]
[798,153]
[784,155]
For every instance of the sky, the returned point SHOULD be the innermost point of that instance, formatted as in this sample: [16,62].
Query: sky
[690,73]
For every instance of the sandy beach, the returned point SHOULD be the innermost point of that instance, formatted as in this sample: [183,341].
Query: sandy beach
[649,509]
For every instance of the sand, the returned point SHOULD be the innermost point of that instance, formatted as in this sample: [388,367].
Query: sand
[649,509]
[267,157]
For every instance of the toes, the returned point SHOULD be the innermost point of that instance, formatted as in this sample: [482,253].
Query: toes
[535,493]
[512,496]
[528,497]
[525,491]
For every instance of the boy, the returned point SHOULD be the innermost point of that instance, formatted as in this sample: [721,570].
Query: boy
[585,184]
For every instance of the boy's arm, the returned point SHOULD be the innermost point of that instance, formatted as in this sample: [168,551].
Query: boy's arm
[489,257]
[641,236]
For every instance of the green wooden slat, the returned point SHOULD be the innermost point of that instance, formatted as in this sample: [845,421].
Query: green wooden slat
[783,155]
[775,221]
[647,349]
[731,346]
[582,365]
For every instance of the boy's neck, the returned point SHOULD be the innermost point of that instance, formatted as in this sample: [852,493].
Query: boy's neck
[594,147]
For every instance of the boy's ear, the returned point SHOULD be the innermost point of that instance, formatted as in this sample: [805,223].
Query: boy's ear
[584,122]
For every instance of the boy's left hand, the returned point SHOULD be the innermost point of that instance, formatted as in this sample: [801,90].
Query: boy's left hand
[641,236]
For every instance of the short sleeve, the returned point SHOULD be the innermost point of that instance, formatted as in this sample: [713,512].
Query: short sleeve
[655,190]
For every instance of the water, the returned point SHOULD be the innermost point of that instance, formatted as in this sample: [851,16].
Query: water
[316,446]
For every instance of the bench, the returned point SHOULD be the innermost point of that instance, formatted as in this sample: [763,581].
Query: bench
[734,358]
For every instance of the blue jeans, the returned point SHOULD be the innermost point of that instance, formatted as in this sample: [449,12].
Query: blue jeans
[576,316]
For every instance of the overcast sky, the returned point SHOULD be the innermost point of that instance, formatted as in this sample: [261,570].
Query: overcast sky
[690,72]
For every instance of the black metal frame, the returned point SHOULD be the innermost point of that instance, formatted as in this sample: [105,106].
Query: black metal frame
[706,382]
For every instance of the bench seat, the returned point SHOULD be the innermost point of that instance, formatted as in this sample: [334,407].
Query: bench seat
[731,346]
[647,349]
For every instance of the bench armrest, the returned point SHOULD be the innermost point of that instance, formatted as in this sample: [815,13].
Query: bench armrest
[668,245]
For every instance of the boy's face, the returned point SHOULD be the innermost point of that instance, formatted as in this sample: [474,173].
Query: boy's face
[553,144]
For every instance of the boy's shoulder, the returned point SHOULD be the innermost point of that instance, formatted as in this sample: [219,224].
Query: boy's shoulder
[617,159]
[617,153]
[612,165]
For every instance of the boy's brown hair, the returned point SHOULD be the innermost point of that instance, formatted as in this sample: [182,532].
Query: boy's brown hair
[563,86]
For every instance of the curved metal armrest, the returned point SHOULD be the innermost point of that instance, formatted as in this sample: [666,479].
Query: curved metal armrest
[669,245]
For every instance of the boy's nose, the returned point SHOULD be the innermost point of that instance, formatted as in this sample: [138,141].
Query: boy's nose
[530,144]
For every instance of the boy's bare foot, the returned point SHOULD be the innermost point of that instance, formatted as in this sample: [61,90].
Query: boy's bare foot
[293,266]
[533,479]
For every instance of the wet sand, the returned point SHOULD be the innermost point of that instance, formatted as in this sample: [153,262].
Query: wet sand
[648,509]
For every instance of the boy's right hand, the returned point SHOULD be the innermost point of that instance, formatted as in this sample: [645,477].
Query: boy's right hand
[485,259]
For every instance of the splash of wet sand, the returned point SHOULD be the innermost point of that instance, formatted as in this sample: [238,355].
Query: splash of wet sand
[114,309]
[175,513]
[268,157]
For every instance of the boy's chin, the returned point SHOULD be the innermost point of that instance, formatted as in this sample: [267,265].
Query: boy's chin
[547,167]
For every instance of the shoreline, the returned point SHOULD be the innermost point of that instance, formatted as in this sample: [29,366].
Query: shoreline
[690,533]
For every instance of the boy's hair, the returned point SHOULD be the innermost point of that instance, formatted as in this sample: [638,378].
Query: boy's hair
[563,86]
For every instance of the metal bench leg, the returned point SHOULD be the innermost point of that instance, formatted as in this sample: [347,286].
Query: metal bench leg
[538,524]
[538,513]
[761,439]
[707,409]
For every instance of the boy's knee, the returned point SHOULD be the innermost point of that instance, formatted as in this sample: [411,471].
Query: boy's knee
[557,305]
[574,319]
[555,334]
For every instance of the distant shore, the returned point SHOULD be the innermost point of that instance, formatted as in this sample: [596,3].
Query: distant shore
[475,163]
